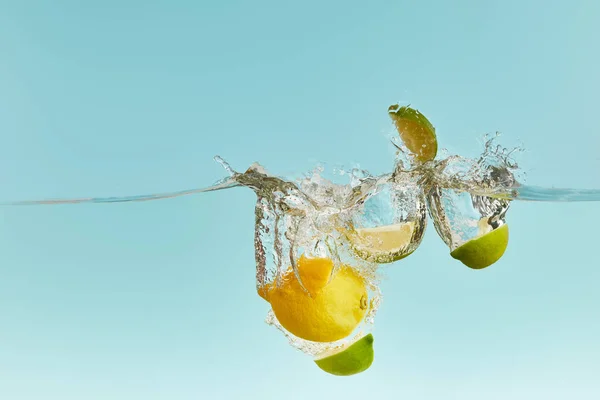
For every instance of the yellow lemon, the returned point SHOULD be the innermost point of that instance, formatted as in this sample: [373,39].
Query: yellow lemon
[329,309]
[416,132]
[383,244]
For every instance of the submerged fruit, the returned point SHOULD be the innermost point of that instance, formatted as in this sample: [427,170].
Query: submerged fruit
[329,309]
[352,360]
[416,132]
[383,244]
[484,250]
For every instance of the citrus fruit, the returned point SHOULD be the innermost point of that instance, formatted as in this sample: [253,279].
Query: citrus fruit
[329,309]
[416,132]
[484,250]
[354,359]
[383,244]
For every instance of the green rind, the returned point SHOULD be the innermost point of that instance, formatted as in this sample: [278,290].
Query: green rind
[355,359]
[484,251]
[413,115]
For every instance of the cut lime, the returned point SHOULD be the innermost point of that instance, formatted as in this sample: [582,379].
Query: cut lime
[352,360]
[416,132]
[484,250]
[383,244]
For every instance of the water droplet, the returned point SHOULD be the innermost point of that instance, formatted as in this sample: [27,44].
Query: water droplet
[225,165]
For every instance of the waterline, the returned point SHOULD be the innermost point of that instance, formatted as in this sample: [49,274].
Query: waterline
[518,193]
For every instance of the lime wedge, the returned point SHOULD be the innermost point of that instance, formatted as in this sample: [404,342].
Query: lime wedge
[416,132]
[352,360]
[484,250]
[383,244]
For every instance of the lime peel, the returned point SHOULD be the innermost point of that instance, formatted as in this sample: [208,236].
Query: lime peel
[416,132]
[484,250]
[352,360]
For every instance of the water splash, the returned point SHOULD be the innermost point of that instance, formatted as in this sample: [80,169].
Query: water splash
[476,176]
[315,215]
[303,218]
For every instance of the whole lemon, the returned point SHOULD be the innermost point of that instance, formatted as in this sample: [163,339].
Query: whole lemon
[329,309]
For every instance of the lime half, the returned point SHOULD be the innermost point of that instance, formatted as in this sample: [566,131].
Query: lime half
[416,132]
[484,250]
[352,360]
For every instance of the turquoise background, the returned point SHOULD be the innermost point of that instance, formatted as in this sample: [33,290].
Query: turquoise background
[157,301]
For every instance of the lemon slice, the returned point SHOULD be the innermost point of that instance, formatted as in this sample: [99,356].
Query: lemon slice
[351,360]
[384,244]
[416,132]
[484,250]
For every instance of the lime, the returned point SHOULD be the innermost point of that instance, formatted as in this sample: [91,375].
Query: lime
[484,250]
[383,244]
[416,132]
[329,309]
[354,359]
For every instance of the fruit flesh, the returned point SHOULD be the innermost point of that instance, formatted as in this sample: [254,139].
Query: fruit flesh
[328,310]
[355,359]
[383,244]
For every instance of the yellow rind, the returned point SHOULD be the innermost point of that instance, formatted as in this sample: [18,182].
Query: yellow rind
[328,310]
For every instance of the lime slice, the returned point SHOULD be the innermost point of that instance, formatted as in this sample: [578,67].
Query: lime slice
[383,244]
[416,132]
[352,360]
[484,250]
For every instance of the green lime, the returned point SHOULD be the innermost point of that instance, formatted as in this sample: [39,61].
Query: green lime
[354,359]
[416,132]
[483,251]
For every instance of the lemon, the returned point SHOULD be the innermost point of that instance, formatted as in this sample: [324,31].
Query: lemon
[333,307]
[484,250]
[352,360]
[416,132]
[383,244]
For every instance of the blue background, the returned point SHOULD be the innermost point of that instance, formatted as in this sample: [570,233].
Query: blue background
[157,301]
